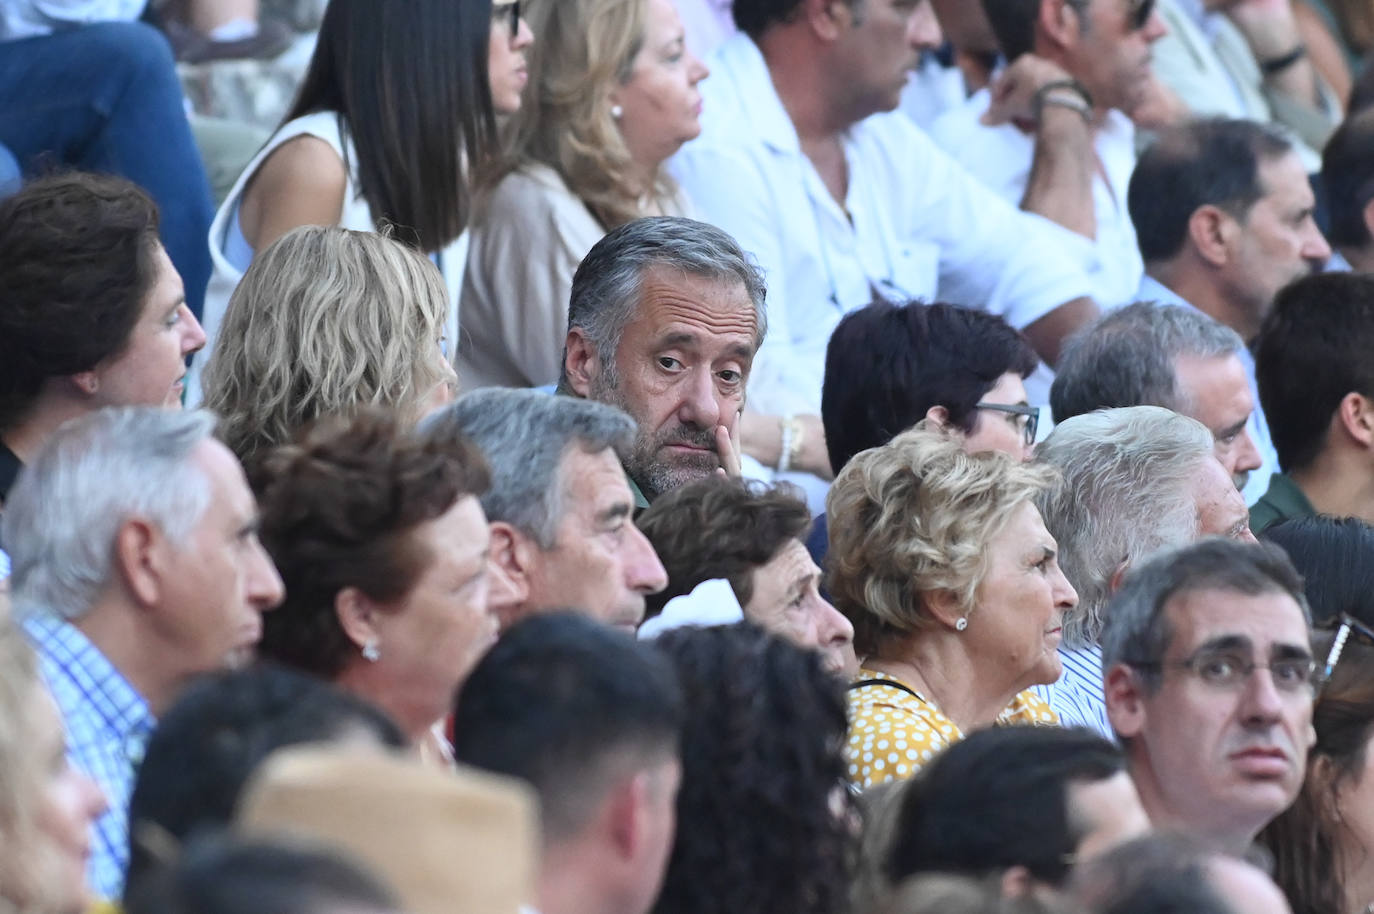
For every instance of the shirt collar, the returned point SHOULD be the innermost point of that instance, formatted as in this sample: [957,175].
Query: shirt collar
[1152,289]
[67,654]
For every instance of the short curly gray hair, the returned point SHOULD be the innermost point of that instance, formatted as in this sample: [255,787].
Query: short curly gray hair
[915,516]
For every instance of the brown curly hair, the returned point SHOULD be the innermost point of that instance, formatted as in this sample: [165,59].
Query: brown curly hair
[338,510]
[720,528]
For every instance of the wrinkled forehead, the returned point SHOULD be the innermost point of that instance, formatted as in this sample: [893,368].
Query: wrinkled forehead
[1261,624]
[708,309]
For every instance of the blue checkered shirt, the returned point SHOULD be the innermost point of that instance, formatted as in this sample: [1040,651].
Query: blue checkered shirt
[108,724]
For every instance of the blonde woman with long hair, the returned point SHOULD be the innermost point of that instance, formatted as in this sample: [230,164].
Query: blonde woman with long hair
[612,95]
[47,808]
[327,320]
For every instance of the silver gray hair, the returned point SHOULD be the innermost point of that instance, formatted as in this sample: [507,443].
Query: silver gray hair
[94,474]
[524,434]
[606,286]
[1126,495]
[1137,630]
[1128,356]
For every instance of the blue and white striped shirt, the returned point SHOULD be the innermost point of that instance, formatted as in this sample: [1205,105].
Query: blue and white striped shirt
[1078,697]
[107,723]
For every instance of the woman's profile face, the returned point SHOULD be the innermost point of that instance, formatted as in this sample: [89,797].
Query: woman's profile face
[659,105]
[507,69]
[1016,622]
[67,805]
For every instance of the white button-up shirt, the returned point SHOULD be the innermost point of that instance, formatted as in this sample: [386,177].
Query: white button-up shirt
[1001,157]
[914,225]
[1152,289]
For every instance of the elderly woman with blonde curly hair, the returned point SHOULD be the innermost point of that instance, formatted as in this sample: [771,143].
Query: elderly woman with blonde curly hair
[611,96]
[941,560]
[47,808]
[324,321]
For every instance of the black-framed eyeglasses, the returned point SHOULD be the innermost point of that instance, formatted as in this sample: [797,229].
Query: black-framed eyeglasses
[1230,670]
[511,12]
[1346,627]
[1028,417]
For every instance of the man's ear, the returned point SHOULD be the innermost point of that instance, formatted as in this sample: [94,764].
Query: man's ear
[1355,413]
[627,808]
[143,559]
[1212,229]
[512,561]
[581,362]
[1125,699]
[1017,882]
[938,416]
[86,382]
[1118,575]
[1057,23]
[828,19]
[1368,215]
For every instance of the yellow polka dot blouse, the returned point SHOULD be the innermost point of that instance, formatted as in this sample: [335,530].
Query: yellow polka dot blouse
[893,732]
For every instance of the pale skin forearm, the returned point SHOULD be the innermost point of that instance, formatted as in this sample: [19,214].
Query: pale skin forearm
[761,438]
[1060,187]
[1047,334]
[1271,30]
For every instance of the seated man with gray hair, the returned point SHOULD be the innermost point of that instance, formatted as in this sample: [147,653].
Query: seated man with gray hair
[1150,354]
[560,507]
[137,567]
[1210,678]
[1136,480]
[664,320]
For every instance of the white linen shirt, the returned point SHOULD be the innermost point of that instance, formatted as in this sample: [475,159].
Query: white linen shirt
[1001,157]
[914,225]
[1152,289]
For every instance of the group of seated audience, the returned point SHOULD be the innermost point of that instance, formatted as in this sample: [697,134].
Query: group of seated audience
[594,478]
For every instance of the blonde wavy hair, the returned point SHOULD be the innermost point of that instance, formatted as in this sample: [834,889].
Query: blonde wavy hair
[324,321]
[27,875]
[915,516]
[585,49]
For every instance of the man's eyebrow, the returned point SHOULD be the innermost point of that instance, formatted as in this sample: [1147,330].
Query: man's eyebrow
[1223,643]
[680,338]
[1232,430]
[1289,652]
[614,512]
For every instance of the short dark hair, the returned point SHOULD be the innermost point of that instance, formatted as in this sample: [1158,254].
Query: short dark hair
[762,770]
[1013,23]
[76,266]
[222,875]
[338,510]
[1138,631]
[1348,176]
[557,702]
[753,17]
[1209,161]
[1128,357]
[998,799]
[1312,350]
[887,364]
[408,82]
[212,740]
[720,528]
[1333,555]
